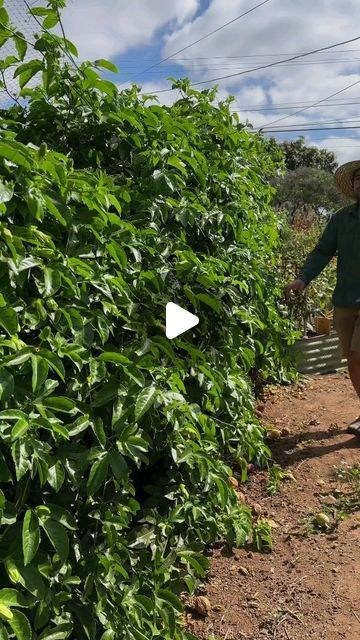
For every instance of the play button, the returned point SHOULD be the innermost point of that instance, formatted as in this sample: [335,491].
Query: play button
[178,320]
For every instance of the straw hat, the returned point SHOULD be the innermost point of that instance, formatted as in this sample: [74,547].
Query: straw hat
[343,176]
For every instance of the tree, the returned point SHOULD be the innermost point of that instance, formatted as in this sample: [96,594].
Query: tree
[298,155]
[306,193]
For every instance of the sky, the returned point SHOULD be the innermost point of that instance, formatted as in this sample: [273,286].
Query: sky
[138,34]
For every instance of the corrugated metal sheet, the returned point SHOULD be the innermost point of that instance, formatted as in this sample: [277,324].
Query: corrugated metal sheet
[319,354]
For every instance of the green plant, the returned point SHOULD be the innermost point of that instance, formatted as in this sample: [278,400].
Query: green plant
[263,536]
[276,476]
[348,498]
[113,440]
[296,245]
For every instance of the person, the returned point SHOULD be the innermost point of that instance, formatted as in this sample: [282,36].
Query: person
[341,236]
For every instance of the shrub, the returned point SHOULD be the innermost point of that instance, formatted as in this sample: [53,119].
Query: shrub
[116,443]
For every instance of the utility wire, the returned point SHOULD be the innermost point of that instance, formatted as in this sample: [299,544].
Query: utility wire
[266,66]
[317,129]
[207,35]
[177,69]
[253,55]
[315,103]
[251,110]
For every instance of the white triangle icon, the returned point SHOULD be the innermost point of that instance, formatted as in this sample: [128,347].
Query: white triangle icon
[178,320]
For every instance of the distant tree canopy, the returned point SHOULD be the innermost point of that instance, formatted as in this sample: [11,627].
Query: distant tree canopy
[308,191]
[307,188]
[297,155]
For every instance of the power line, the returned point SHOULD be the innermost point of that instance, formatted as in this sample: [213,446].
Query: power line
[207,35]
[316,103]
[250,110]
[177,69]
[253,55]
[297,104]
[316,129]
[349,120]
[273,64]
[266,66]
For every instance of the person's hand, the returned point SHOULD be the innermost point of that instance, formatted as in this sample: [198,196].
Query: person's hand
[296,286]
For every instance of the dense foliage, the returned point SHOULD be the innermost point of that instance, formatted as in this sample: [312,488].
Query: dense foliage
[297,242]
[116,443]
[307,193]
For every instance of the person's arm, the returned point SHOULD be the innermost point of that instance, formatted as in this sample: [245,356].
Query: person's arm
[321,255]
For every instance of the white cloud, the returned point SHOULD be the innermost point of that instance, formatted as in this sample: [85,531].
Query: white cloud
[106,28]
[276,28]
[344,148]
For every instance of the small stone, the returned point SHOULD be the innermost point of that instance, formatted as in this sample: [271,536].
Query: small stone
[202,605]
[257,509]
[244,571]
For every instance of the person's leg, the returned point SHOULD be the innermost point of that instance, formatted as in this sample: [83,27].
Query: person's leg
[347,326]
[354,370]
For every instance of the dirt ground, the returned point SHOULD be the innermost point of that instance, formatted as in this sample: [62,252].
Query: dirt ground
[309,586]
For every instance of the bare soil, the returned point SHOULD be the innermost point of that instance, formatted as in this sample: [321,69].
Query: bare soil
[308,587]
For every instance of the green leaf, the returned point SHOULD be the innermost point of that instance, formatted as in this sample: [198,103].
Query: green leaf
[9,320]
[20,428]
[112,356]
[29,577]
[6,384]
[98,427]
[52,281]
[56,476]
[5,475]
[19,358]
[5,612]
[3,633]
[117,253]
[20,626]
[54,362]
[171,599]
[54,210]
[59,632]
[6,192]
[51,20]
[98,474]
[20,44]
[30,536]
[118,466]
[144,401]
[61,404]
[210,301]
[79,425]
[12,153]
[27,70]
[40,370]
[105,64]
[4,17]
[178,164]
[12,414]
[13,598]
[58,538]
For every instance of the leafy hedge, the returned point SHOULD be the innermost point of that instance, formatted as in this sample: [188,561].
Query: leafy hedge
[116,443]
[296,244]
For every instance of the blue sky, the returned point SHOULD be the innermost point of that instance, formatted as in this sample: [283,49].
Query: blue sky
[138,33]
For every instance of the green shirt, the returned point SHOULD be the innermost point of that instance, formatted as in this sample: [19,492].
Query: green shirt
[342,237]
